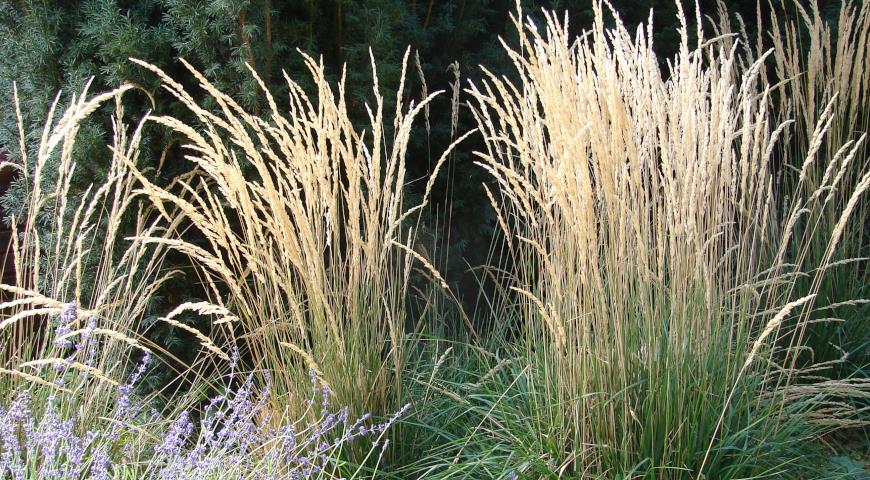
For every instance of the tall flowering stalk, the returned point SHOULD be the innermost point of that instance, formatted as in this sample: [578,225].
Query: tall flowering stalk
[79,268]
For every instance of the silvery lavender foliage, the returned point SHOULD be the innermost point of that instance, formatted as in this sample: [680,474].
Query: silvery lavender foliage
[10,443]
[234,435]
[45,442]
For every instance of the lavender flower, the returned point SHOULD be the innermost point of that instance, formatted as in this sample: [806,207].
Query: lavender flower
[178,433]
[232,437]
[124,407]
[68,315]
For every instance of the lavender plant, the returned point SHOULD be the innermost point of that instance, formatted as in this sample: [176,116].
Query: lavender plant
[233,436]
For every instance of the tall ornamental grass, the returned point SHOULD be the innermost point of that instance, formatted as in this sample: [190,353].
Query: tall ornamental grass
[657,320]
[72,325]
[826,65]
[819,72]
[304,234]
[680,293]
[74,347]
[72,321]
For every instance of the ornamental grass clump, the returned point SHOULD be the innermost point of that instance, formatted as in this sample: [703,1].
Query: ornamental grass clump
[825,65]
[80,271]
[819,72]
[640,214]
[305,235]
[72,324]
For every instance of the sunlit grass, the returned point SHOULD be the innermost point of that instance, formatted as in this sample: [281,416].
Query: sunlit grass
[678,289]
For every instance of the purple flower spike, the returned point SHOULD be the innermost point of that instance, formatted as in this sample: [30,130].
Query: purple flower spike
[234,432]
[67,316]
